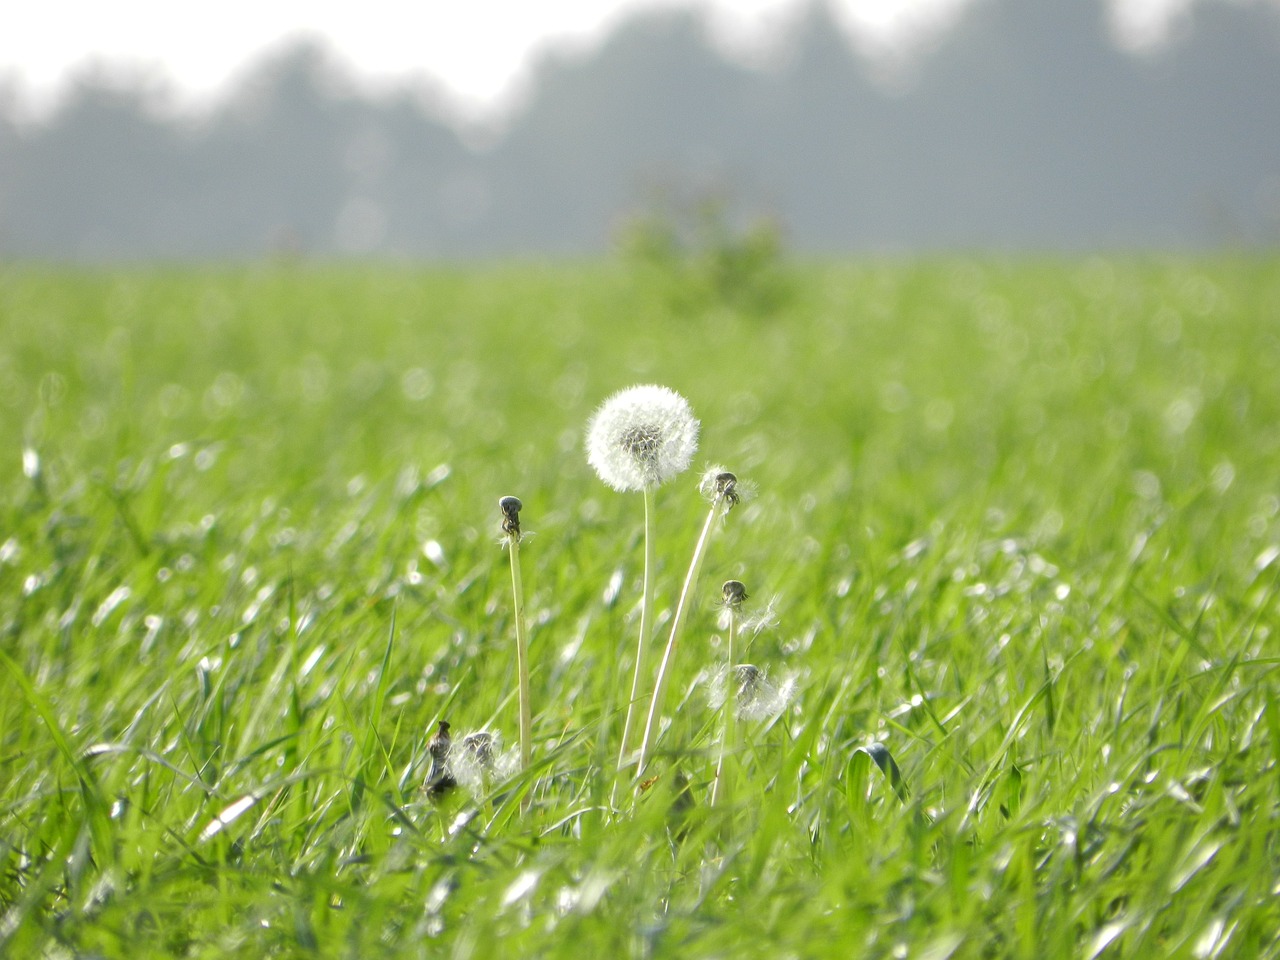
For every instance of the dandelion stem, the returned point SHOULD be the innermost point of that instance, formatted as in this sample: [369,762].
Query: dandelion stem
[646,614]
[511,507]
[668,655]
[522,659]
[722,786]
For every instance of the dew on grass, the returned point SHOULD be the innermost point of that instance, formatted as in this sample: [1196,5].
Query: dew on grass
[437,476]
[173,400]
[255,606]
[460,822]
[894,397]
[1179,414]
[416,384]
[612,589]
[10,551]
[523,885]
[915,548]
[227,817]
[1214,938]
[113,600]
[433,551]
[439,893]
[907,706]
[1146,484]
[1266,558]
[154,623]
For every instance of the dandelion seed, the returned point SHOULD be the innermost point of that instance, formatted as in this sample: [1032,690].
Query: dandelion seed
[756,620]
[641,437]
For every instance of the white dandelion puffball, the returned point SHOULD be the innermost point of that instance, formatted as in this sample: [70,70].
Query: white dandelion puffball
[641,437]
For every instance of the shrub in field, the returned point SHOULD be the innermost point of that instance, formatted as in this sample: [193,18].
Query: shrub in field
[696,259]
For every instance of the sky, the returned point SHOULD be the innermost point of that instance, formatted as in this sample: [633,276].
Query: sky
[475,53]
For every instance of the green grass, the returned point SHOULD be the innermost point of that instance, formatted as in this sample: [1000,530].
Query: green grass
[1020,519]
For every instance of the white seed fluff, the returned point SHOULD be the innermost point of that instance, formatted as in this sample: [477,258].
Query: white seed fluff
[641,437]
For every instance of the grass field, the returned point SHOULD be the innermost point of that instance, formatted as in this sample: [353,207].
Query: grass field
[1019,523]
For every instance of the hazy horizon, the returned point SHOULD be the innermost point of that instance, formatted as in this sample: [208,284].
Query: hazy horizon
[472,66]
[1022,127]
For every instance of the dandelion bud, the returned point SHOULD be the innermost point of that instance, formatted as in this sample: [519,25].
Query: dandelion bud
[511,507]
[641,437]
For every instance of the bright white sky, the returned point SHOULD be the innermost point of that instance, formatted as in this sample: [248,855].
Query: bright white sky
[476,50]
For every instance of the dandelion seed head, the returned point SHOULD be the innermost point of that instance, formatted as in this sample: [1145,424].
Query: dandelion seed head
[641,437]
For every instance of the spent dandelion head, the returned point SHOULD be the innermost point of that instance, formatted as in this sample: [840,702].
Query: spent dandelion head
[478,759]
[720,485]
[758,698]
[750,619]
[510,507]
[641,437]
[733,593]
[440,780]
[472,762]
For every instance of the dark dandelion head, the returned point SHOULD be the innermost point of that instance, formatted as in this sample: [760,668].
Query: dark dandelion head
[726,486]
[511,507]
[480,745]
[440,780]
[733,593]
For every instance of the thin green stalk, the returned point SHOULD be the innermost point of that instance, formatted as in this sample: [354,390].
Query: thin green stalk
[511,507]
[722,786]
[668,655]
[646,613]
[522,656]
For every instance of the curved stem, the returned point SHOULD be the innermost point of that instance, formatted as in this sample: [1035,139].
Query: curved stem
[668,655]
